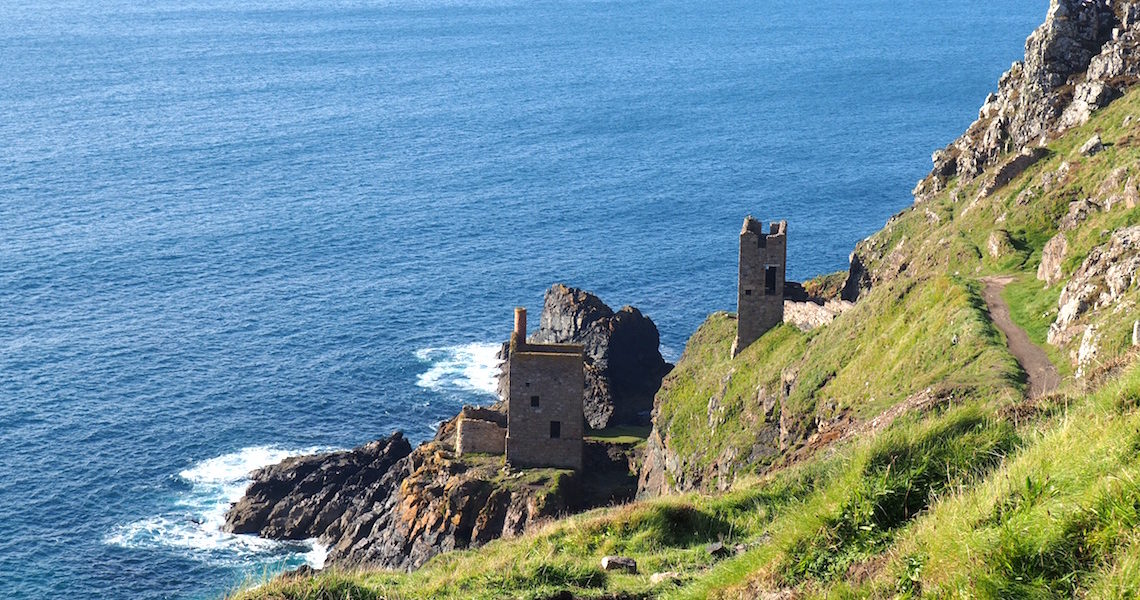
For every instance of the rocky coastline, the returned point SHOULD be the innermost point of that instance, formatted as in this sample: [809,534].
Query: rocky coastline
[386,504]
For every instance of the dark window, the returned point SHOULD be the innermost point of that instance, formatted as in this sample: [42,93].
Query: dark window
[534,401]
[555,429]
[770,280]
[747,292]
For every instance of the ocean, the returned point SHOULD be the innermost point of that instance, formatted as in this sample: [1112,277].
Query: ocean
[231,232]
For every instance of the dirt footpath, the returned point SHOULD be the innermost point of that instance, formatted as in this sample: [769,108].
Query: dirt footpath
[1043,376]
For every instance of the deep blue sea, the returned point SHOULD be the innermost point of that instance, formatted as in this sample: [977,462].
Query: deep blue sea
[231,231]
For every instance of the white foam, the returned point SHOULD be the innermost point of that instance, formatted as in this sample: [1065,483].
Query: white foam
[469,368]
[194,522]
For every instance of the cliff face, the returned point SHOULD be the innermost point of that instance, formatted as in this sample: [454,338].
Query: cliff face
[1083,57]
[623,359]
[1079,60]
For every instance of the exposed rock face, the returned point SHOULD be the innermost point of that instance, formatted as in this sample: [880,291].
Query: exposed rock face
[1073,65]
[999,243]
[386,505]
[623,359]
[810,315]
[1108,272]
[665,471]
[1052,256]
[304,496]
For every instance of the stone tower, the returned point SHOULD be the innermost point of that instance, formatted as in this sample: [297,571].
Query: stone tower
[545,387]
[760,287]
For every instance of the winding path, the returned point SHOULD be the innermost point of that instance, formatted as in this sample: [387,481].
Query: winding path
[1043,376]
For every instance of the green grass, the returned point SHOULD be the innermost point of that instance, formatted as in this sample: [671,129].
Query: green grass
[620,434]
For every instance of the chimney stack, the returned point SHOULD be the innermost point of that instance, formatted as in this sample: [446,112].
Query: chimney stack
[520,324]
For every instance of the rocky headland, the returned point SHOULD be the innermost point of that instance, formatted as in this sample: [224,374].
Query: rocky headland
[385,504]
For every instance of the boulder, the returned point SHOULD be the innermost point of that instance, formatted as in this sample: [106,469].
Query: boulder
[1092,147]
[619,563]
[1136,333]
[999,243]
[1052,257]
[664,577]
[623,362]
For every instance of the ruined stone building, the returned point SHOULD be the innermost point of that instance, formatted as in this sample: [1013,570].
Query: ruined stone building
[760,286]
[544,424]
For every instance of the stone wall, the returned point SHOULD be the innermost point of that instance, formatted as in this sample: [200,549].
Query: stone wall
[474,435]
[760,301]
[546,386]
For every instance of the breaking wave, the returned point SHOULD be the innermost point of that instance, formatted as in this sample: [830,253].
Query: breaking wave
[470,368]
[192,524]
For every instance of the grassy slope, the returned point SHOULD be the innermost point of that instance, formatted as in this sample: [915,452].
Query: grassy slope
[982,497]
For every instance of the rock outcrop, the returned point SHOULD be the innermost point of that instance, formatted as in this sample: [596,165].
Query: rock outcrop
[1079,60]
[1109,271]
[386,505]
[1052,258]
[623,359]
[304,496]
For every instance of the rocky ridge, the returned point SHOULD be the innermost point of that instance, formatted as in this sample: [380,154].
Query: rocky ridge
[1079,60]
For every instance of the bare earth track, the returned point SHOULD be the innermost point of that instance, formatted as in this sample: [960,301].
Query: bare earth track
[1043,376]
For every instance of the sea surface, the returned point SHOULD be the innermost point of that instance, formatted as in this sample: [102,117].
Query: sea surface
[234,231]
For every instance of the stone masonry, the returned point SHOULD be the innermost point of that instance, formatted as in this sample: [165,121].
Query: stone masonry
[545,387]
[480,430]
[760,289]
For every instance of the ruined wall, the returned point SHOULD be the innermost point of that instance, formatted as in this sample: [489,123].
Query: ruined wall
[760,287]
[474,435]
[546,385]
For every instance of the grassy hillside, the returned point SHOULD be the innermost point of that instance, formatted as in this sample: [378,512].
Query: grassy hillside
[971,492]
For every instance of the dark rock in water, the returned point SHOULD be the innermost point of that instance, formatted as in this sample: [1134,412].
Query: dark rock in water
[385,505]
[302,496]
[623,359]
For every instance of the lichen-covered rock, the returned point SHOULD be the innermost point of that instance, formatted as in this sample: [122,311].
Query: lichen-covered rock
[623,362]
[1079,211]
[1108,272]
[1073,65]
[1052,257]
[1093,146]
[999,244]
[388,506]
[1086,353]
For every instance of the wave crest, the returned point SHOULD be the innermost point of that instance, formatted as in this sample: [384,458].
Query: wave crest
[468,368]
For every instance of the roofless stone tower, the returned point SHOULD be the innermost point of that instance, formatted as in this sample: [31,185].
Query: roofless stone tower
[760,288]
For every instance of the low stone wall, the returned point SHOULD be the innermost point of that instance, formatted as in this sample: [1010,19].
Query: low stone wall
[473,435]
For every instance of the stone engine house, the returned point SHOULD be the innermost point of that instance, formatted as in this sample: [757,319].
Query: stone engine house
[544,424]
[760,286]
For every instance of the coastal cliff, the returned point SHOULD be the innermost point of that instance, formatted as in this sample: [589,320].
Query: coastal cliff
[899,449]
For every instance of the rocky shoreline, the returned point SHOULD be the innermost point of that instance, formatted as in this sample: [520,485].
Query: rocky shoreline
[386,504]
